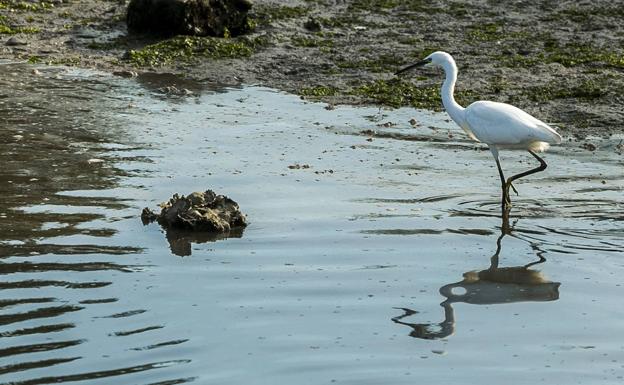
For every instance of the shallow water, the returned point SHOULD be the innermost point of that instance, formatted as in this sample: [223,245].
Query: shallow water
[372,265]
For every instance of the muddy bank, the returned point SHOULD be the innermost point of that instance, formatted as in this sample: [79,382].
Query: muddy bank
[562,61]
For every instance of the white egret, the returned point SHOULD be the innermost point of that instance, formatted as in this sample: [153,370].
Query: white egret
[499,125]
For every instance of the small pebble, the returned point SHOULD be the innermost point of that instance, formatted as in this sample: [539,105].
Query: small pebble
[589,146]
[312,25]
[13,41]
[126,74]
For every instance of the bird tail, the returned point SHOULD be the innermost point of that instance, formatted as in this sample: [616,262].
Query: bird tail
[539,146]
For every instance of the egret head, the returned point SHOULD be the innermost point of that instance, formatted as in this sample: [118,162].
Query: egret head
[437,59]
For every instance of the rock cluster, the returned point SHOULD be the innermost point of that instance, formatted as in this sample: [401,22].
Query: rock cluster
[189,17]
[199,211]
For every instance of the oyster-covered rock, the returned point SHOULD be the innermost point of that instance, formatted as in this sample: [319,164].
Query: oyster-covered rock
[198,211]
[189,17]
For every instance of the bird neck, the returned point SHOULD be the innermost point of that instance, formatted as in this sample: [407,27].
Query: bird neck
[448,88]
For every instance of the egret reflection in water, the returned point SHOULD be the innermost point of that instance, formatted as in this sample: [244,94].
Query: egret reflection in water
[494,285]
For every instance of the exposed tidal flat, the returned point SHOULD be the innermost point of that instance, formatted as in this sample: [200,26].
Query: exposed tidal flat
[560,60]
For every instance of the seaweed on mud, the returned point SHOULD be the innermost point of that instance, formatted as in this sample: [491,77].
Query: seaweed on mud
[587,90]
[380,63]
[6,28]
[318,91]
[570,54]
[485,32]
[398,92]
[24,6]
[186,48]
[307,41]
[265,14]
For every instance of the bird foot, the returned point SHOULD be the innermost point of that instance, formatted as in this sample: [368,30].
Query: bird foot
[513,188]
[508,185]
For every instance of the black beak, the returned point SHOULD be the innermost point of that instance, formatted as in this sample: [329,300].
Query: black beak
[409,67]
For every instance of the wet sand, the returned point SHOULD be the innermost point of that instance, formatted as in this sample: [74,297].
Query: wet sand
[368,257]
[561,61]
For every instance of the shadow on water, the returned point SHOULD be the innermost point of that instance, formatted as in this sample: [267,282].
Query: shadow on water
[494,285]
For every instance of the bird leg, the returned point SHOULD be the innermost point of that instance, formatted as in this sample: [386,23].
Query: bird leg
[541,167]
[513,188]
[505,200]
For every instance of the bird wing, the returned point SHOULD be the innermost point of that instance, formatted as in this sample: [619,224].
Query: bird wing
[504,124]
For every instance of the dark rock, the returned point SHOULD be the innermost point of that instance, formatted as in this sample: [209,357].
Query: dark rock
[197,218]
[13,41]
[125,74]
[189,17]
[589,146]
[312,25]
[148,216]
[199,211]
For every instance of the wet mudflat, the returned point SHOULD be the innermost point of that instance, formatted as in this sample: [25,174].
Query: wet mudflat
[360,226]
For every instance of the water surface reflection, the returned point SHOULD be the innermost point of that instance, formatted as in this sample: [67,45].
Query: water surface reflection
[494,285]
[64,271]
[88,295]
[181,241]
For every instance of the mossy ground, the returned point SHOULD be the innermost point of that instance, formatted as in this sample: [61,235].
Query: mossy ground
[526,59]
[10,9]
[549,58]
[397,92]
[318,91]
[266,14]
[25,6]
[188,48]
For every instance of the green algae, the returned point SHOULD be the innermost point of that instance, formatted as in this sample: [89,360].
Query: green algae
[586,90]
[572,54]
[453,8]
[6,30]
[397,92]
[585,14]
[485,32]
[382,63]
[318,91]
[373,5]
[310,41]
[187,48]
[23,6]
[568,55]
[266,14]
[340,20]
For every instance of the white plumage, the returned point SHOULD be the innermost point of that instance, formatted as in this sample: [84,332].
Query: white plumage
[505,126]
[499,125]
